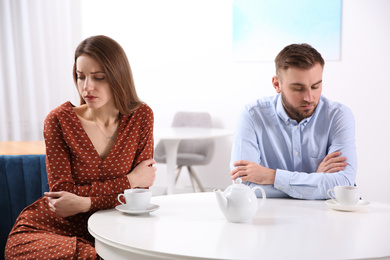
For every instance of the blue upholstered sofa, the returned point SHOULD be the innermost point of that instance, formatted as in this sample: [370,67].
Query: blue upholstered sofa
[23,180]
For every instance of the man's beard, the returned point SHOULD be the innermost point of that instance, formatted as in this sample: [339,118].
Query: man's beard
[298,115]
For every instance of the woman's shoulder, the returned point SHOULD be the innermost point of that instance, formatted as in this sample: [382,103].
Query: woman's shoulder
[145,108]
[62,111]
[67,106]
[142,116]
[143,111]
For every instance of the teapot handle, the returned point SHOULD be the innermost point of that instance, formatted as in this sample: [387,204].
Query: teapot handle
[262,193]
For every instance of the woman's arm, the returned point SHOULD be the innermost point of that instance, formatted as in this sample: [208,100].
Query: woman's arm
[59,168]
[101,193]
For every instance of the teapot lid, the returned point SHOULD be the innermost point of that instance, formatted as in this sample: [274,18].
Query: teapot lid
[237,184]
[238,180]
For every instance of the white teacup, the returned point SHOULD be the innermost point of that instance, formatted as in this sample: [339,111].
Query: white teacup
[136,199]
[345,195]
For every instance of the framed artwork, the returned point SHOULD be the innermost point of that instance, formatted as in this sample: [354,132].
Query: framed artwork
[262,28]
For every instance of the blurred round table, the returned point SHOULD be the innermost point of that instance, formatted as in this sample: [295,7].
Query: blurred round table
[171,137]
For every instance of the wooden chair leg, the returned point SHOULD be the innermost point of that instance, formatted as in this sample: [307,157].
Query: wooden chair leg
[193,176]
[192,183]
[177,172]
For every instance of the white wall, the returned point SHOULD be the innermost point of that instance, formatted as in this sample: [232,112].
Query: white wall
[180,53]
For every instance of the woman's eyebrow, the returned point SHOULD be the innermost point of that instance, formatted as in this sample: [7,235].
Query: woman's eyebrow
[93,72]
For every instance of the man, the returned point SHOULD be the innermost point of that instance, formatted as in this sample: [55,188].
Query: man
[298,143]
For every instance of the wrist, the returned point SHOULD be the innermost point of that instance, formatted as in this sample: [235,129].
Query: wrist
[132,181]
[272,176]
[86,204]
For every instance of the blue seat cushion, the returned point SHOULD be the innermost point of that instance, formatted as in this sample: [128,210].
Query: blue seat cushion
[23,180]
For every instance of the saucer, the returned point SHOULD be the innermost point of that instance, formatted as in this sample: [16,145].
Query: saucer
[150,208]
[362,204]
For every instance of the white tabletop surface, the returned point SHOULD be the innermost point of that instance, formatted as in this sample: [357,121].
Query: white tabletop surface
[182,133]
[191,226]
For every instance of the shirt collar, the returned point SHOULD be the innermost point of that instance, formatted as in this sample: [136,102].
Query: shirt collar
[281,112]
[286,119]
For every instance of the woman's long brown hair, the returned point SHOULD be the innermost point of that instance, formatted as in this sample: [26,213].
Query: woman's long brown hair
[113,59]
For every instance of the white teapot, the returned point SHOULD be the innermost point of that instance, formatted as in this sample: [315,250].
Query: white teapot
[238,202]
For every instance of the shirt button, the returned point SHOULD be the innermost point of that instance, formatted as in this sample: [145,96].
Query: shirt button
[296,153]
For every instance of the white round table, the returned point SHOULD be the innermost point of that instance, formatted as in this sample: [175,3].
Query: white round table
[171,137]
[191,226]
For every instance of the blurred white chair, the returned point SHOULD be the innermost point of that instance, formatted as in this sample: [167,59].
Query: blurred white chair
[190,152]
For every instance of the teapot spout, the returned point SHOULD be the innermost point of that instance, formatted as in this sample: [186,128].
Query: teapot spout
[221,199]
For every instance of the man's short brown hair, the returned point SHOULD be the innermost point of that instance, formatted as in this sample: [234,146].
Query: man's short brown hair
[301,56]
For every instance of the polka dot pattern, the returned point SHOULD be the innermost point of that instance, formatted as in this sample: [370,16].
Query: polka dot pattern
[74,165]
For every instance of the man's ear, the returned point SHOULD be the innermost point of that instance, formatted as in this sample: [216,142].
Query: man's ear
[277,84]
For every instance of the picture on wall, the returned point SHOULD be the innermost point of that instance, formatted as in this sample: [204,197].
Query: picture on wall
[261,28]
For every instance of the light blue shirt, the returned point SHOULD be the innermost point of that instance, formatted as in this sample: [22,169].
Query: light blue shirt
[268,136]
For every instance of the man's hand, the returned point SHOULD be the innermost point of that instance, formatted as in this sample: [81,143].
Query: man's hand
[67,204]
[253,172]
[143,175]
[332,163]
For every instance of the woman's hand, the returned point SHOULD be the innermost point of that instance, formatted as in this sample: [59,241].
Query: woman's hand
[143,175]
[67,204]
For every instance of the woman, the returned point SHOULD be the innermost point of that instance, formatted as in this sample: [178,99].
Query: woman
[93,152]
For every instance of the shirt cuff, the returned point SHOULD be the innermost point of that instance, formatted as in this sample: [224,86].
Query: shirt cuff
[282,180]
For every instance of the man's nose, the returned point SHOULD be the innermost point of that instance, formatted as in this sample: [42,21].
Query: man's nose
[308,96]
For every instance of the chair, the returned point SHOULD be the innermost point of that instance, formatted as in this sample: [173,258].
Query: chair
[190,152]
[23,180]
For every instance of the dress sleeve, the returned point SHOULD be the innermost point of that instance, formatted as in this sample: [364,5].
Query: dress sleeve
[145,147]
[58,166]
[103,192]
[144,151]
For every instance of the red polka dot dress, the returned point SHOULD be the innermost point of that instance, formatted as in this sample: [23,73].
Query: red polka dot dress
[75,166]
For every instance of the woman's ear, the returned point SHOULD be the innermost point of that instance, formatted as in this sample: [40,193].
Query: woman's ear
[276,83]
